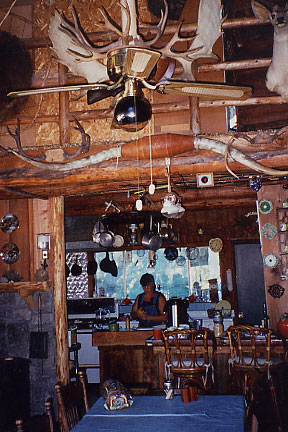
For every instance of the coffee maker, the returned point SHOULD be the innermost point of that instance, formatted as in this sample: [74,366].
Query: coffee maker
[177,311]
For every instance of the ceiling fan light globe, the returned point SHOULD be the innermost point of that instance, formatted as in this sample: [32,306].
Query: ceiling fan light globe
[132,113]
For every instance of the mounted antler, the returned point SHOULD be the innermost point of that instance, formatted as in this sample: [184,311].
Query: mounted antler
[85,144]
[21,152]
[75,51]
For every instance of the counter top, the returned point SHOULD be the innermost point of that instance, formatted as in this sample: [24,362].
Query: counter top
[132,338]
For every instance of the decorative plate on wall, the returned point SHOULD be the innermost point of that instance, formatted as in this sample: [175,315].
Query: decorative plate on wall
[265,206]
[9,223]
[269,231]
[216,244]
[192,253]
[270,260]
[276,291]
[10,253]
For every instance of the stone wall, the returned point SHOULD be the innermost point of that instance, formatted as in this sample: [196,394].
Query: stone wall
[17,320]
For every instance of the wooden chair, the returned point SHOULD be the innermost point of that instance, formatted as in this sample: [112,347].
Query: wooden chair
[37,423]
[251,360]
[72,402]
[190,357]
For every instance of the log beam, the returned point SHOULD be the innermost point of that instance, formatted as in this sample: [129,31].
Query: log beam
[61,324]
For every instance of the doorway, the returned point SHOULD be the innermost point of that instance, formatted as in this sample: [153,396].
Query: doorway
[250,282]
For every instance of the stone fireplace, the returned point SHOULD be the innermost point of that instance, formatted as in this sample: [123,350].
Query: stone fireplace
[17,321]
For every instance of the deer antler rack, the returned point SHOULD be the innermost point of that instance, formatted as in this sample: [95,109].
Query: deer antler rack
[17,139]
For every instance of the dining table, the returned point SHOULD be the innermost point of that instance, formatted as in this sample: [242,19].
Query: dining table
[220,413]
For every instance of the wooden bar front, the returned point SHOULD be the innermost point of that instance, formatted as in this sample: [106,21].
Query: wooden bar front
[125,356]
[137,360]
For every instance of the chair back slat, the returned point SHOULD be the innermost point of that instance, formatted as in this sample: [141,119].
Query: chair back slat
[72,402]
[249,346]
[37,423]
[188,352]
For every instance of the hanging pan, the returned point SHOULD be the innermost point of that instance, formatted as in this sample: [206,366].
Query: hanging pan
[105,264]
[106,239]
[76,269]
[92,266]
[151,240]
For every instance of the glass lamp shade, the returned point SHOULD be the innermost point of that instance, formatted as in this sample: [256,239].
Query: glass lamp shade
[181,210]
[132,113]
[172,207]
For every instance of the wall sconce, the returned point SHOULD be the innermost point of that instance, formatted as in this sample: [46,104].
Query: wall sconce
[43,243]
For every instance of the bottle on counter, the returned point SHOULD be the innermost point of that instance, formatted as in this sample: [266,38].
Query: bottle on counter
[127,323]
[218,324]
[265,320]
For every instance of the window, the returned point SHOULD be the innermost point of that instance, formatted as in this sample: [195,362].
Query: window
[178,278]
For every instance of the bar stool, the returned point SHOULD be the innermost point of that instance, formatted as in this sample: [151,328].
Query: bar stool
[251,359]
[189,357]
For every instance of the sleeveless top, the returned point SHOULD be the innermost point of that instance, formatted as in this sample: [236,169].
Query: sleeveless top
[151,308]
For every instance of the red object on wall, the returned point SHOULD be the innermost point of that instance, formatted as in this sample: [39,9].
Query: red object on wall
[283,325]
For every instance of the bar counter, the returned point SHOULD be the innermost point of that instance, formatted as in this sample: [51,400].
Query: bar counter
[136,359]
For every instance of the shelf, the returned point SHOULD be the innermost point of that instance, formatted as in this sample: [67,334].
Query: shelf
[26,289]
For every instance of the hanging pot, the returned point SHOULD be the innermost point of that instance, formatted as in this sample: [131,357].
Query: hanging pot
[151,240]
[118,241]
[97,230]
[166,233]
[92,267]
[106,239]
[171,253]
[76,269]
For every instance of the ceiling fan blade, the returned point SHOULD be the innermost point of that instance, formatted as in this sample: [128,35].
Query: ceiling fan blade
[55,89]
[199,89]
[103,93]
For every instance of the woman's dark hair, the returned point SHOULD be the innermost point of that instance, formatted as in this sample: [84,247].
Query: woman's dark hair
[147,278]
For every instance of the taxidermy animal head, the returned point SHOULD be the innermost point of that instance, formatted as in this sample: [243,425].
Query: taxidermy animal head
[13,54]
[277,74]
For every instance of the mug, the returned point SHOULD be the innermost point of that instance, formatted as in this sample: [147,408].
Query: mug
[193,393]
[157,333]
[113,327]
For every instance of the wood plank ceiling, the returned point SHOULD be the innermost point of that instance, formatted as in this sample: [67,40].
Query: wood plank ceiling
[47,122]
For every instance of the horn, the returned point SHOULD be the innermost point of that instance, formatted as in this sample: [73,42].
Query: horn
[165,145]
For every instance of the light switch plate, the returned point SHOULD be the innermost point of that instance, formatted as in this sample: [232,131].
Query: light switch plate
[205,180]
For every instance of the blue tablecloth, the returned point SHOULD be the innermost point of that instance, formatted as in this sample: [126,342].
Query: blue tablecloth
[155,413]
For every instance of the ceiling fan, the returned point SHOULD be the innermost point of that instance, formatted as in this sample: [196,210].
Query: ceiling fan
[124,67]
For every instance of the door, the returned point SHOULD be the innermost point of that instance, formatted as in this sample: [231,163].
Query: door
[250,282]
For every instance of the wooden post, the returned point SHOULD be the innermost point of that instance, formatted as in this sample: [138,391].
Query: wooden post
[61,325]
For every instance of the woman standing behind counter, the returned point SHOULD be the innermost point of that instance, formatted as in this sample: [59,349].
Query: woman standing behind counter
[149,306]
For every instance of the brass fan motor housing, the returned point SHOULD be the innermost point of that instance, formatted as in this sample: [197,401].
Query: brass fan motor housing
[134,62]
